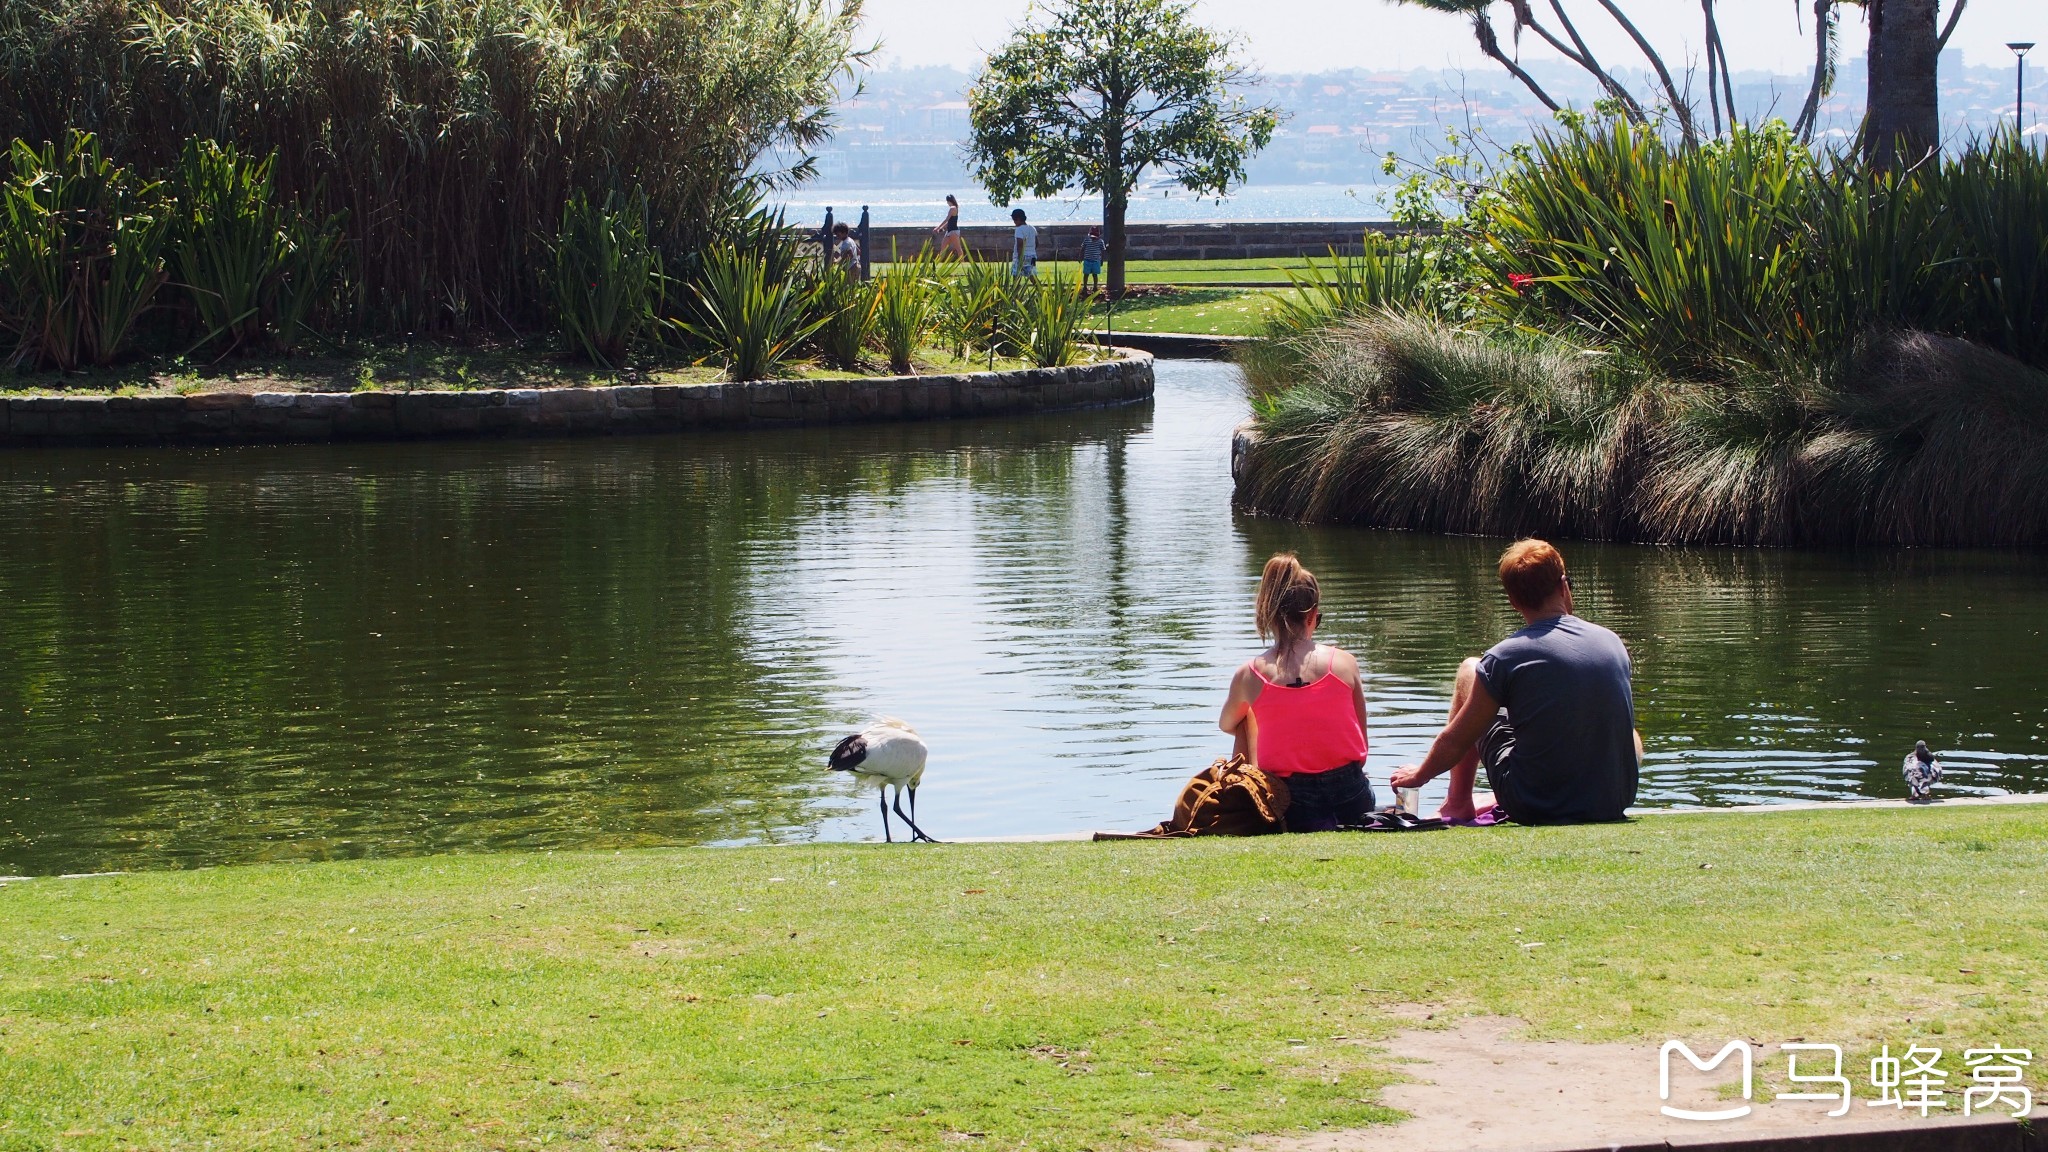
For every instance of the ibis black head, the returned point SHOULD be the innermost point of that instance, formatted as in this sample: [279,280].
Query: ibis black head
[1919,750]
[849,754]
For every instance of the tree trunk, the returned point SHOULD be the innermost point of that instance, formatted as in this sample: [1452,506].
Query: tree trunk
[1903,121]
[1823,67]
[1113,207]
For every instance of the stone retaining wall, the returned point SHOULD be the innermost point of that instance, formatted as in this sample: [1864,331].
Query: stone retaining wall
[1205,241]
[271,417]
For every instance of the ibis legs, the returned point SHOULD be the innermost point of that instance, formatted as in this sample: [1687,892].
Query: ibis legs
[916,833]
[882,801]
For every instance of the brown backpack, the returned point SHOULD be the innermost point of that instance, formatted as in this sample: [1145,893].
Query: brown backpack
[1228,798]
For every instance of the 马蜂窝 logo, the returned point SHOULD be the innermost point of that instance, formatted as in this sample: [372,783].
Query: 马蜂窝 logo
[1733,1047]
[1914,1081]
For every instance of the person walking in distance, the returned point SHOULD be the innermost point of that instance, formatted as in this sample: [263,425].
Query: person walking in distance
[948,231]
[844,253]
[1024,247]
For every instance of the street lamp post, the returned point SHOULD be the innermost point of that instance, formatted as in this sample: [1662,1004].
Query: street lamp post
[2019,91]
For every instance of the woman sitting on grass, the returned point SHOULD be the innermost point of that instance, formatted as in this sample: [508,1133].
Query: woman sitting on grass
[1298,708]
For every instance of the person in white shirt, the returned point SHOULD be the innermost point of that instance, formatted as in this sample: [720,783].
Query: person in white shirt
[845,252]
[1024,250]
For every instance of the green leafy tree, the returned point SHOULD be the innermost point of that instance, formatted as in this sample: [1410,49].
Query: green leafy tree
[1091,94]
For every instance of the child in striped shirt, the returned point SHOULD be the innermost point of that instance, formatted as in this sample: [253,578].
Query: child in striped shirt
[1091,260]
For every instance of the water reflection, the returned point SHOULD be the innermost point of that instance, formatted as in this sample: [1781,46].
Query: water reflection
[211,656]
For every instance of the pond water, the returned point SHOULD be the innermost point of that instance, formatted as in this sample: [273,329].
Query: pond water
[212,656]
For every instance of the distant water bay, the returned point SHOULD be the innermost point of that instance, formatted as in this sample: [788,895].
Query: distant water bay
[923,205]
[222,655]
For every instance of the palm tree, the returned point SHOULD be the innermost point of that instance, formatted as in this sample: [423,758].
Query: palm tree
[1902,119]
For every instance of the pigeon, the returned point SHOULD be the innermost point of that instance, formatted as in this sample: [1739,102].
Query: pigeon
[1923,771]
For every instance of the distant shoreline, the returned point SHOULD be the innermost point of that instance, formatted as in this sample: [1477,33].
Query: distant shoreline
[918,204]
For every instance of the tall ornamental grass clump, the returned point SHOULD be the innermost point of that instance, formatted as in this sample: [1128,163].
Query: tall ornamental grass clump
[1401,421]
[1755,252]
[1384,273]
[1689,257]
[906,308]
[848,311]
[1742,342]
[1051,312]
[448,134]
[985,308]
[81,253]
[607,279]
[978,309]
[253,270]
[1998,198]
[753,321]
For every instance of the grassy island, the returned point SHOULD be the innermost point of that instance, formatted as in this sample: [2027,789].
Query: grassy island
[1624,338]
[438,367]
[1020,996]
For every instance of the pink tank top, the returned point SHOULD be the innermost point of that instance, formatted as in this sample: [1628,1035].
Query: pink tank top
[1309,729]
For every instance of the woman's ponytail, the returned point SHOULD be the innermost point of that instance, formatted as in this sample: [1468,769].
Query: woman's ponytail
[1288,595]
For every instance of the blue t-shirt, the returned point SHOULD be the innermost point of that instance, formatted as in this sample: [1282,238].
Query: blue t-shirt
[1565,685]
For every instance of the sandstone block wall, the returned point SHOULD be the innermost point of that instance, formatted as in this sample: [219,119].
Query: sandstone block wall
[1205,241]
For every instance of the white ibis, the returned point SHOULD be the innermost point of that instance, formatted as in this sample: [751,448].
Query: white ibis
[887,753]
[1923,771]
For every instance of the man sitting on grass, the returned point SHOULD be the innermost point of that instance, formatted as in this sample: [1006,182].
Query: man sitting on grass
[1548,710]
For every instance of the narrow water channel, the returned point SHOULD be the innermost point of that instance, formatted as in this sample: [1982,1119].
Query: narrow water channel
[213,656]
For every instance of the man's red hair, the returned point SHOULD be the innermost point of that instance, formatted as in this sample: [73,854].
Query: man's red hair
[1531,571]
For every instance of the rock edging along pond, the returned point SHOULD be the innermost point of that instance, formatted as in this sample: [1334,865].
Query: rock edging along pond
[272,417]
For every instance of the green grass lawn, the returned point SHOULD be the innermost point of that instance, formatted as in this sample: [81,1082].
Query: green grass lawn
[1192,271]
[1056,996]
[1207,311]
[429,366]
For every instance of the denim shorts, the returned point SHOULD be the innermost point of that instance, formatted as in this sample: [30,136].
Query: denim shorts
[1327,801]
[1091,267]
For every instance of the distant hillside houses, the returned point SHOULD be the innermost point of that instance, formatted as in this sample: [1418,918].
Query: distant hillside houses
[904,126]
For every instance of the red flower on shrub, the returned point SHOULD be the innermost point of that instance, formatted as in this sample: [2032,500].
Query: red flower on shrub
[1520,281]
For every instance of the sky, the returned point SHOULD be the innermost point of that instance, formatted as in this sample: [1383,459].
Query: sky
[1318,35]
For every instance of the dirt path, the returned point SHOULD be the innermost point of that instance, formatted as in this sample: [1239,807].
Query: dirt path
[1479,1087]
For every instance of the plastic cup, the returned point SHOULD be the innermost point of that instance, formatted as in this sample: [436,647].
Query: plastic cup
[1409,800]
